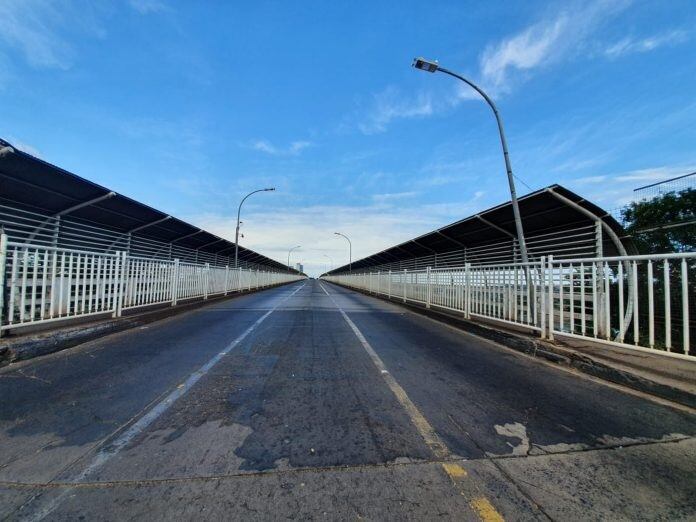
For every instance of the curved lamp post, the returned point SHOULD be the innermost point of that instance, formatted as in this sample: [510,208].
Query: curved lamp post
[239,210]
[330,260]
[350,251]
[431,67]
[289,251]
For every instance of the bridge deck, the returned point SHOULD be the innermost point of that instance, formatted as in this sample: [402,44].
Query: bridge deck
[313,401]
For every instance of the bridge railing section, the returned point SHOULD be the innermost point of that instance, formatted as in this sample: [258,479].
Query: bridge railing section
[42,284]
[23,226]
[640,302]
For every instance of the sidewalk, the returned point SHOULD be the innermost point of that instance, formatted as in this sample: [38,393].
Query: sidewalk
[676,373]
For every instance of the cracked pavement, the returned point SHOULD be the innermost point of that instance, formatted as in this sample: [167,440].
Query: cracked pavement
[233,412]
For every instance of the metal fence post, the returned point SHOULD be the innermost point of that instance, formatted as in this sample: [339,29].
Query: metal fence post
[175,282]
[206,280]
[403,284]
[428,295]
[389,285]
[3,262]
[551,305]
[542,293]
[467,291]
[122,282]
[227,275]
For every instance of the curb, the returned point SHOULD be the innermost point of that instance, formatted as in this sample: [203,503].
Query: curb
[551,352]
[28,346]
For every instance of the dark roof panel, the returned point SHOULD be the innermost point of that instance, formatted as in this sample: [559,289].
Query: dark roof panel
[33,184]
[541,212]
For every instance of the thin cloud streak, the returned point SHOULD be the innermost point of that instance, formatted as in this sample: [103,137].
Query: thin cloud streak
[554,38]
[148,6]
[389,105]
[544,43]
[294,149]
[617,189]
[631,45]
[33,28]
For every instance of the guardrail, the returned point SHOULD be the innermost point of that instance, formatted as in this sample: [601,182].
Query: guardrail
[42,284]
[639,302]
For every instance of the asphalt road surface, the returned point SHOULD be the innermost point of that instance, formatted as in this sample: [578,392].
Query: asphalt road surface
[310,401]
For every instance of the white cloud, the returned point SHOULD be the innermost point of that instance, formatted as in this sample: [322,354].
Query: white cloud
[390,105]
[38,29]
[630,45]
[372,228]
[294,149]
[24,147]
[612,190]
[148,6]
[529,49]
[31,27]
[391,196]
[545,42]
[557,36]
[655,174]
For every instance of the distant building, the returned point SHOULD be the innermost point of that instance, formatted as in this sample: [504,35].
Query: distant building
[299,267]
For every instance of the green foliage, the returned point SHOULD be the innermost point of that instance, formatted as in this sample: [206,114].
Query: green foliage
[651,223]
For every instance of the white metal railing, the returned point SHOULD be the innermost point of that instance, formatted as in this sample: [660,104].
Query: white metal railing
[641,302]
[25,226]
[578,241]
[41,284]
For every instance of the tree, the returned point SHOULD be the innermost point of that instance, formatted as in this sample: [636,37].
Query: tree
[664,224]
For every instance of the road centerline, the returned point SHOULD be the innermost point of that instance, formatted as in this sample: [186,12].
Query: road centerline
[426,431]
[483,508]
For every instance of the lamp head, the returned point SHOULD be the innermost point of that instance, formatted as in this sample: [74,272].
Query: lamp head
[269,189]
[425,65]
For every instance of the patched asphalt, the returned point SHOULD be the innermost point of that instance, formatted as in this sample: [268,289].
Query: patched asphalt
[298,422]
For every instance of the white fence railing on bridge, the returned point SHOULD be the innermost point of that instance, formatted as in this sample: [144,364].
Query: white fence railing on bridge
[641,302]
[41,284]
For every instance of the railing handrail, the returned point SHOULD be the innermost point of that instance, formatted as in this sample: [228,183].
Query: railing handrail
[29,246]
[641,302]
[637,257]
[47,284]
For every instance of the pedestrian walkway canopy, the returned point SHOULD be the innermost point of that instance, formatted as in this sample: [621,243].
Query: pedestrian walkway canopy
[30,184]
[556,221]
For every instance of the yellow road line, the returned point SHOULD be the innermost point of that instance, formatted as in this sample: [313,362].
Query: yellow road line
[433,441]
[454,470]
[485,510]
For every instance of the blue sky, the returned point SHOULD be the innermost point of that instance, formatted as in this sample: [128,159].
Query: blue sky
[187,106]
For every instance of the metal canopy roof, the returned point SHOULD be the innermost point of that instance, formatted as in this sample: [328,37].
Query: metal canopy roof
[34,184]
[541,212]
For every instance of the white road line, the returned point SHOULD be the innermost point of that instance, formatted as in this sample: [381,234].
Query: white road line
[157,410]
[431,438]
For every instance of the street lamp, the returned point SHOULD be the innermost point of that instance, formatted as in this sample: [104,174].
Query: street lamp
[350,251]
[239,210]
[330,261]
[289,251]
[431,67]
